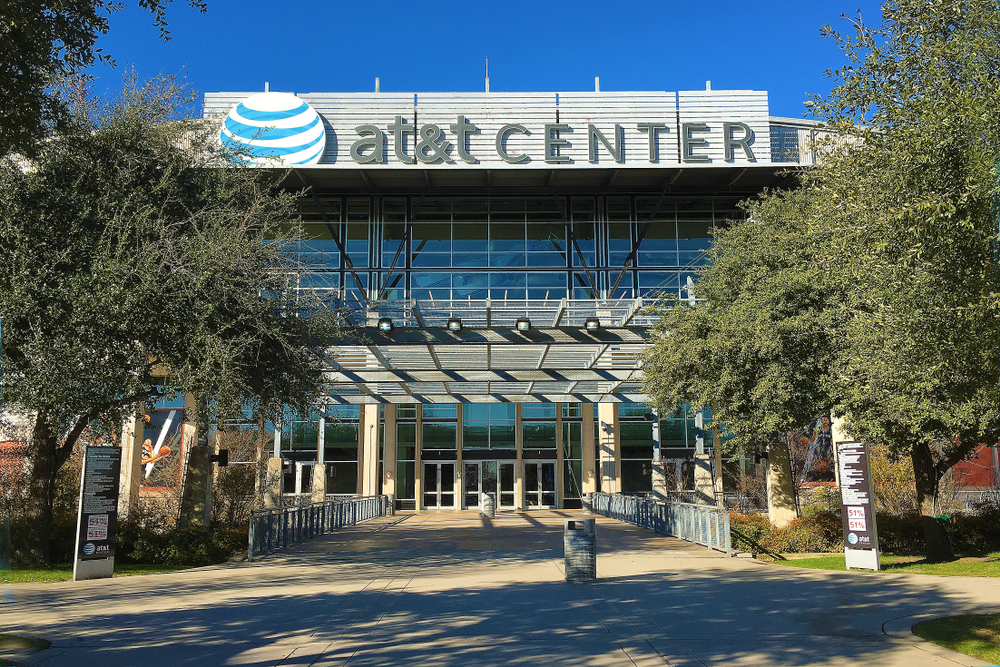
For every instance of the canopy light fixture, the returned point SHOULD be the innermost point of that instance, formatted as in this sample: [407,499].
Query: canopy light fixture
[454,324]
[385,324]
[523,324]
[592,324]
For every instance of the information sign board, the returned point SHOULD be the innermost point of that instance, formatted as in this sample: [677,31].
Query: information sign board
[98,511]
[857,507]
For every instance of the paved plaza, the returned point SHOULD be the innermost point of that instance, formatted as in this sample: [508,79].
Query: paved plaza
[455,588]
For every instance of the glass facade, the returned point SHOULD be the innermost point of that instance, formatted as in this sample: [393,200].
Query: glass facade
[441,248]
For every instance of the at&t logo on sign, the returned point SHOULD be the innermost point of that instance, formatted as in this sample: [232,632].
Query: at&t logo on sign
[274,129]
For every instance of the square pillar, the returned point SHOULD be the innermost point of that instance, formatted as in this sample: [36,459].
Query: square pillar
[271,484]
[610,453]
[368,464]
[560,467]
[519,461]
[389,457]
[418,466]
[589,482]
[131,471]
[196,487]
[318,486]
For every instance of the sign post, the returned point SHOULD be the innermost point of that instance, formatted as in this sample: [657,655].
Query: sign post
[857,507]
[98,514]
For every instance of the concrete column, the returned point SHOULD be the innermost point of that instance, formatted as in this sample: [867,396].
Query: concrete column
[196,496]
[560,468]
[271,484]
[703,483]
[717,468]
[418,465]
[459,472]
[369,451]
[837,434]
[589,482]
[607,415]
[131,473]
[318,486]
[318,493]
[780,486]
[389,458]
[519,461]
[660,480]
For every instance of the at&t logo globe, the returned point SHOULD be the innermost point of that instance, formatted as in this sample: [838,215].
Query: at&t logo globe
[273,130]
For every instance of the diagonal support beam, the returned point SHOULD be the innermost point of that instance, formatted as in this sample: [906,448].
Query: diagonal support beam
[597,356]
[559,312]
[541,359]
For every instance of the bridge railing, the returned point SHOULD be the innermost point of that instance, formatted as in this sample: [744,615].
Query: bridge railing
[278,527]
[706,525]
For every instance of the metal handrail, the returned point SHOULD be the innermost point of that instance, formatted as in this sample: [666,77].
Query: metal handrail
[700,524]
[278,527]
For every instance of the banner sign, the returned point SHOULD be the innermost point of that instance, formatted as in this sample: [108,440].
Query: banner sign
[98,503]
[857,506]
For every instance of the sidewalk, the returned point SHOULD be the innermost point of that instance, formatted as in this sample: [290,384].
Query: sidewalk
[455,588]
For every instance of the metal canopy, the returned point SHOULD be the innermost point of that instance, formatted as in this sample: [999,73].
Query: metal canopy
[489,360]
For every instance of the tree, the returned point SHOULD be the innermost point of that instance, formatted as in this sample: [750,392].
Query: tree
[900,220]
[42,42]
[132,244]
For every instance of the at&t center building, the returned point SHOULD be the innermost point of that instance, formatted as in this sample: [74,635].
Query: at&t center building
[495,254]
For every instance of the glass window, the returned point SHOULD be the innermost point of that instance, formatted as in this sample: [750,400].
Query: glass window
[430,286]
[538,435]
[470,285]
[653,283]
[438,435]
[538,411]
[694,234]
[507,244]
[508,286]
[489,426]
[547,285]
[406,442]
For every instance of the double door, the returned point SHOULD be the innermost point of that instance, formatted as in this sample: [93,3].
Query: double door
[439,485]
[539,484]
[481,477]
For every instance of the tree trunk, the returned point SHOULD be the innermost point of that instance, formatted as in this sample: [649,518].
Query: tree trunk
[938,543]
[41,491]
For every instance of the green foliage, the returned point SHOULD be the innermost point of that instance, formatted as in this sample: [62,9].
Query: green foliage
[132,245]
[189,546]
[815,532]
[41,43]
[871,290]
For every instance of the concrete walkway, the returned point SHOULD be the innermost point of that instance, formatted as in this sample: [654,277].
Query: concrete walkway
[457,589]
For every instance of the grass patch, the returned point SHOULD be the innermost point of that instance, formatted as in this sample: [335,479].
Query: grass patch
[64,572]
[969,566]
[977,635]
[20,646]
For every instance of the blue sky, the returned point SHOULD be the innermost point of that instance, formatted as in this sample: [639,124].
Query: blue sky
[341,46]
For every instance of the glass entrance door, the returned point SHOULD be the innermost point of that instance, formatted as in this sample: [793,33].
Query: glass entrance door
[481,477]
[471,484]
[539,484]
[439,485]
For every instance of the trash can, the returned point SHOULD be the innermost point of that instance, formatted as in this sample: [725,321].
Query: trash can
[580,550]
[588,504]
[489,504]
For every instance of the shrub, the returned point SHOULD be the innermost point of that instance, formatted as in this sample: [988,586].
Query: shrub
[188,546]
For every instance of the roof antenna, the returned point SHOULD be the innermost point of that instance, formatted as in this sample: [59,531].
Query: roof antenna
[267,87]
[377,84]
[487,74]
